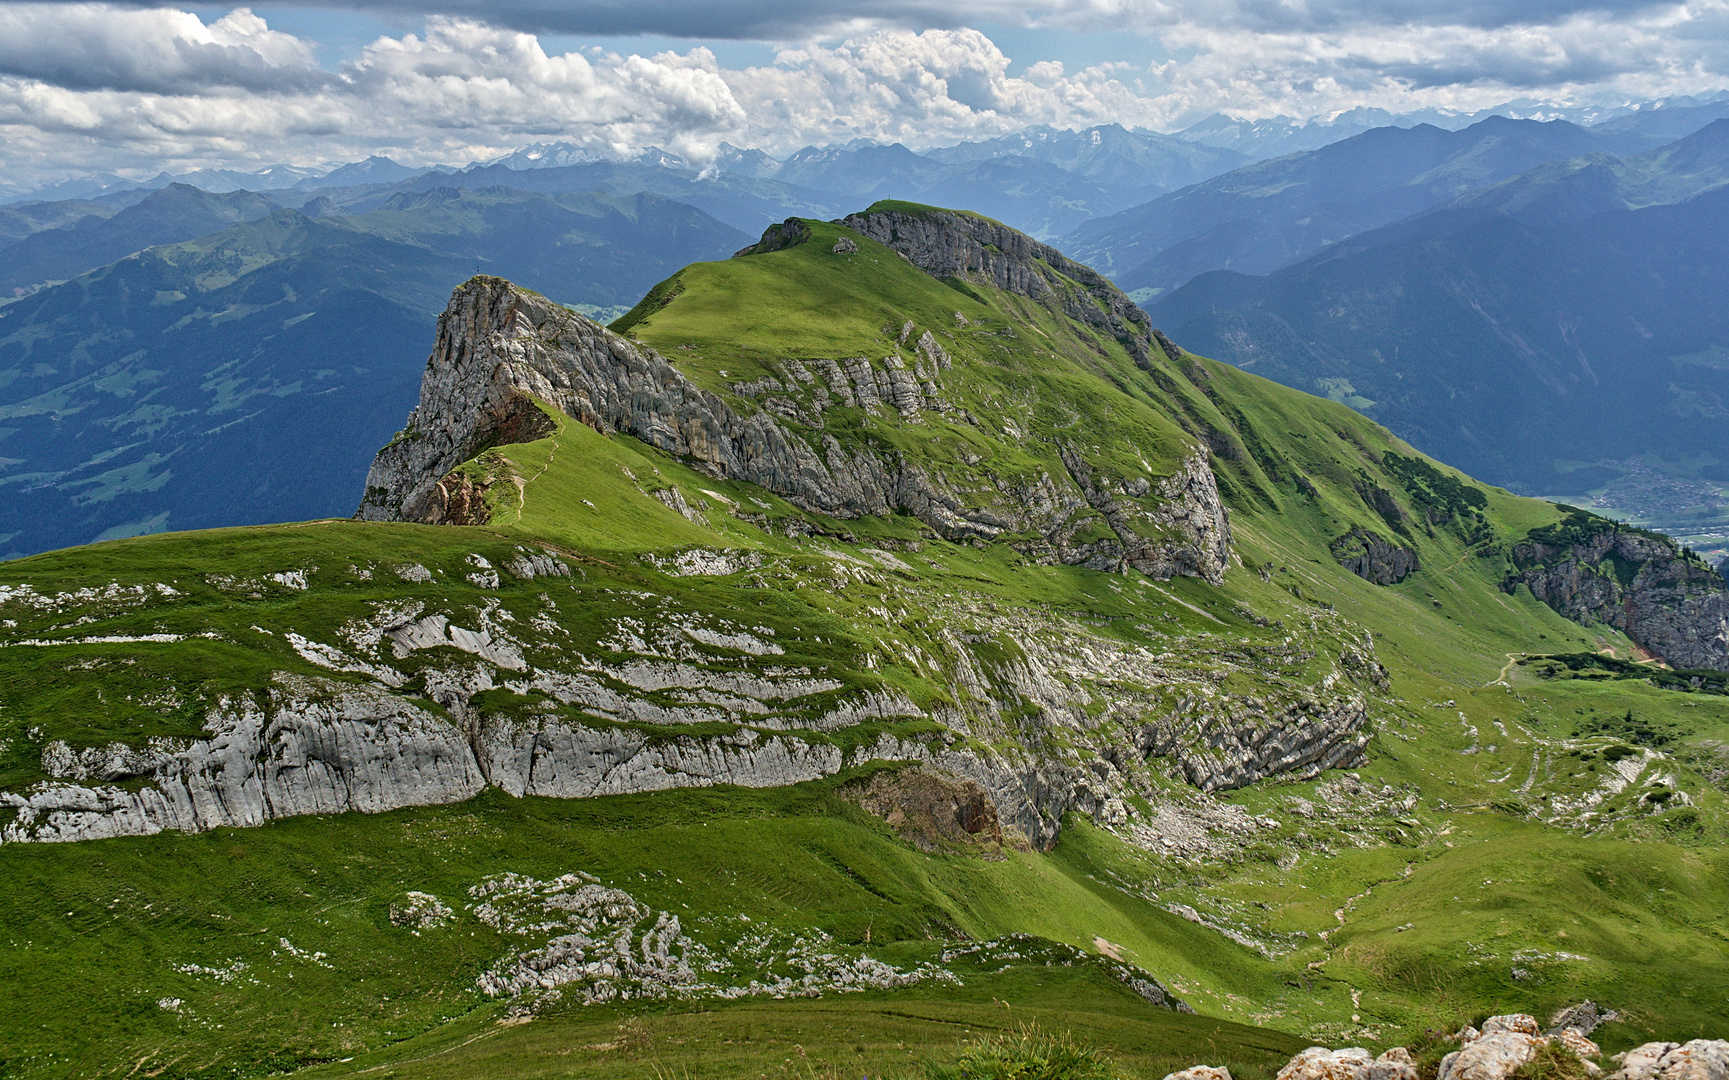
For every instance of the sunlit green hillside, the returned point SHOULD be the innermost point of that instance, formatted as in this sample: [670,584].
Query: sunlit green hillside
[1509,842]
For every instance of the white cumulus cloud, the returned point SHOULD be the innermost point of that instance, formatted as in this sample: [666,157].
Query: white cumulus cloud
[98,86]
[98,47]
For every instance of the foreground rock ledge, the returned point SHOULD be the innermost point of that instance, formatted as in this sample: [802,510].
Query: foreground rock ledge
[1499,1049]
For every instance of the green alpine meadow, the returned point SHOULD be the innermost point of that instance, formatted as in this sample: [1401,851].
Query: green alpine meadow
[880,653]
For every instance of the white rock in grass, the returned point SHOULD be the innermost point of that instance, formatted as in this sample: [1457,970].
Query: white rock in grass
[1202,1072]
[1395,1064]
[1492,1056]
[1701,1059]
[1319,1063]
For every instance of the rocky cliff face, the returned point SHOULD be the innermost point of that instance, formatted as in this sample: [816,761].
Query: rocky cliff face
[317,747]
[1370,557]
[1041,714]
[501,349]
[948,244]
[1594,571]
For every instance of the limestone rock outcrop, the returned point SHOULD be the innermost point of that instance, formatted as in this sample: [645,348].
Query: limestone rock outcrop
[1239,743]
[1351,1063]
[1108,714]
[1201,1072]
[1491,1056]
[572,761]
[1320,1063]
[1509,1041]
[1592,570]
[1189,506]
[1582,1019]
[1371,557]
[1700,1059]
[1394,1064]
[1504,1044]
[318,747]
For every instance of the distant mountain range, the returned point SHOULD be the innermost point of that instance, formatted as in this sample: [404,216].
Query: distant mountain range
[1573,190]
[1045,180]
[1539,332]
[1266,215]
[155,338]
[175,213]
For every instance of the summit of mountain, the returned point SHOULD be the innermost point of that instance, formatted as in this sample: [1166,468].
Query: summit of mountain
[376,169]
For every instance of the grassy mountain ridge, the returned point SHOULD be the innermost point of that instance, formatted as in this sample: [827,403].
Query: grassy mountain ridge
[1494,810]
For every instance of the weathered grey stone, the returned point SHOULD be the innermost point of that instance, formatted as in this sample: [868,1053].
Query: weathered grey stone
[420,911]
[1513,1023]
[1394,1064]
[1187,503]
[320,747]
[1370,557]
[1319,1063]
[1491,1056]
[1582,1018]
[572,761]
[1201,1072]
[1675,606]
[1579,1044]
[331,746]
[1700,1059]
[1232,744]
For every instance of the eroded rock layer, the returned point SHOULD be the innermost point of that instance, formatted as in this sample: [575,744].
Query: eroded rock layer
[1369,556]
[1040,715]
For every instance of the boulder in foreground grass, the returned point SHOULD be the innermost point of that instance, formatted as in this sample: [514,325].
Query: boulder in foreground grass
[1701,1059]
[1351,1063]
[1202,1072]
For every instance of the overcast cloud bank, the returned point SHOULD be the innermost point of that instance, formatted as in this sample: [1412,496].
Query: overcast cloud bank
[97,86]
